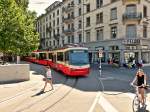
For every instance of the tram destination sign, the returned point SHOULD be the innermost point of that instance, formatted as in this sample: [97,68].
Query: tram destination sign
[131,41]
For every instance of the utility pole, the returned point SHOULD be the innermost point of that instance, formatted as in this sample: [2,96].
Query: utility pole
[83,19]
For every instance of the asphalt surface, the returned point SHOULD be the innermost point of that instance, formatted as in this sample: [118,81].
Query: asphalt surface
[110,92]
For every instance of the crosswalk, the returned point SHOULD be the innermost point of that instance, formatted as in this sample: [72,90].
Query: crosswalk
[114,102]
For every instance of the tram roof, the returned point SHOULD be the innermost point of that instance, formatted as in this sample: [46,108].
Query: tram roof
[62,49]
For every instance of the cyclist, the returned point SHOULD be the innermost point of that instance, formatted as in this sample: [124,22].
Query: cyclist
[140,80]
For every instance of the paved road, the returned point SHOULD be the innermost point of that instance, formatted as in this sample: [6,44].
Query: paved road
[110,93]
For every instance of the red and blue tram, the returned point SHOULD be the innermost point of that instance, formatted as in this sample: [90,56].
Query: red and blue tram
[72,61]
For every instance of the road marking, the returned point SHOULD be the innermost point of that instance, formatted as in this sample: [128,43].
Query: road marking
[95,102]
[106,105]
[106,78]
[131,95]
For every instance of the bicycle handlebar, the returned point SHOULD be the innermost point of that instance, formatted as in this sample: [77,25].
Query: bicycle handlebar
[145,86]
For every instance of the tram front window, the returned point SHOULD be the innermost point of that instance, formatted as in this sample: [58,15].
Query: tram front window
[79,57]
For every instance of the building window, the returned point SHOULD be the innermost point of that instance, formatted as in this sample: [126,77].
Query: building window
[131,31]
[50,34]
[57,12]
[88,36]
[62,28]
[63,41]
[72,26]
[72,3]
[79,11]
[53,32]
[80,24]
[131,47]
[88,8]
[50,43]
[113,32]
[46,19]
[114,14]
[79,1]
[131,9]
[72,14]
[99,18]
[80,38]
[57,21]
[113,1]
[99,3]
[54,42]
[54,23]
[69,16]
[58,31]
[88,22]
[69,39]
[113,47]
[145,11]
[49,16]
[53,15]
[72,39]
[99,34]
[69,27]
[144,31]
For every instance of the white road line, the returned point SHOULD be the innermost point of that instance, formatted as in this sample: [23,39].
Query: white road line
[95,102]
[131,95]
[106,105]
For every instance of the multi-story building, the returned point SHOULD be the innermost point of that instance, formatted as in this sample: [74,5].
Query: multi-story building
[49,26]
[121,28]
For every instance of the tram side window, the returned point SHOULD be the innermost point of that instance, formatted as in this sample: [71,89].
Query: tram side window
[66,56]
[42,56]
[33,55]
[60,56]
[37,56]
[50,56]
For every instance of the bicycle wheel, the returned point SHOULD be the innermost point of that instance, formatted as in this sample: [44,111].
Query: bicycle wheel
[135,104]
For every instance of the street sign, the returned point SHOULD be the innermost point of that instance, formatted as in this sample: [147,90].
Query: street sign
[100,52]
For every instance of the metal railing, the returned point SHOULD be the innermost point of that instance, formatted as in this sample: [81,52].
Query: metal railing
[132,16]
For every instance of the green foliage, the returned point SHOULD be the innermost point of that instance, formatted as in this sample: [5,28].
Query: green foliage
[17,32]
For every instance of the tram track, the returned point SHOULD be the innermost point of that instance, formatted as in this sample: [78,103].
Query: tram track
[28,106]
[47,98]
[13,97]
[63,97]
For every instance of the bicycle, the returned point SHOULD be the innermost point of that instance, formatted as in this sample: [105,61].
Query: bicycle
[136,104]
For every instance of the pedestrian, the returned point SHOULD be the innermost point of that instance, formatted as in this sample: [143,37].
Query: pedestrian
[140,65]
[133,63]
[48,78]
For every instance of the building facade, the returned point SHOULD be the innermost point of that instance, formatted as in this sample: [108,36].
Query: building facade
[49,26]
[121,28]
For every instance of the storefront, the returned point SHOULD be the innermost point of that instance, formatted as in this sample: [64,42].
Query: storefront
[121,50]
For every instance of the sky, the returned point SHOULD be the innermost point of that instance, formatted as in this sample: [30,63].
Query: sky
[39,6]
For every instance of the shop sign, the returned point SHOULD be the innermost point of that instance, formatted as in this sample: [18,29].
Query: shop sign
[131,41]
[100,52]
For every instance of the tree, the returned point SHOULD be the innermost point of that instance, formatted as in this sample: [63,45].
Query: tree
[17,32]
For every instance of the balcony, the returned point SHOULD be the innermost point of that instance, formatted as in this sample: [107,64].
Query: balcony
[48,29]
[130,1]
[68,9]
[69,31]
[68,19]
[132,16]
[56,36]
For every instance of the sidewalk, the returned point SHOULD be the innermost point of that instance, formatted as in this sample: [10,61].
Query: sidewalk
[12,89]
